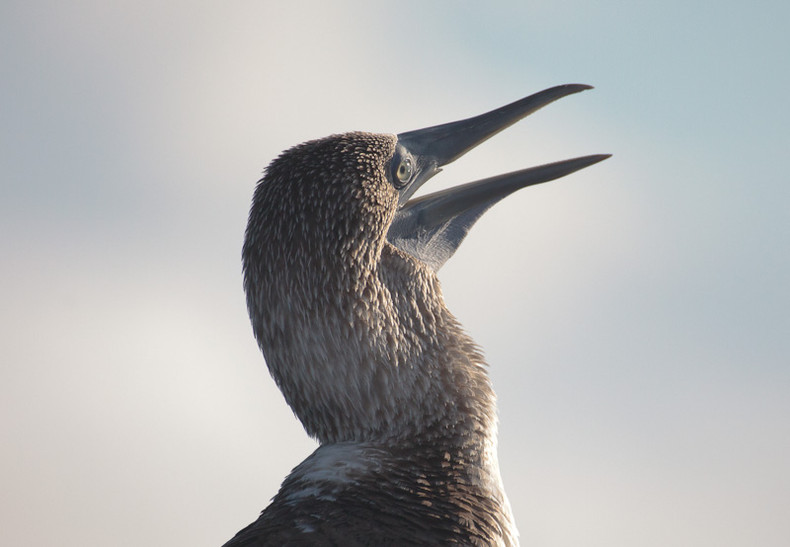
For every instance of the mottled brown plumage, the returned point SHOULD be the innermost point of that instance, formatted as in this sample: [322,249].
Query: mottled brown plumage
[356,334]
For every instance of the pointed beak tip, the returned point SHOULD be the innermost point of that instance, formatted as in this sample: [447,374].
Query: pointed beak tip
[592,159]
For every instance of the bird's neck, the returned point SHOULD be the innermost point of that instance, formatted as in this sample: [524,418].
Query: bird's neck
[371,353]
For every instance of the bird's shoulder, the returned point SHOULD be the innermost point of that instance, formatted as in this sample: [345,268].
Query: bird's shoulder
[351,496]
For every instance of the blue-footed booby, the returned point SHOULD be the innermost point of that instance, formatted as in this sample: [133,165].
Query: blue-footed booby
[340,275]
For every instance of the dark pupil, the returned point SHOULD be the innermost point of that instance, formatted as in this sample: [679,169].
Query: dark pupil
[403,170]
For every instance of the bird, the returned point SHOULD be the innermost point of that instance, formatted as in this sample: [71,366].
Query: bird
[340,273]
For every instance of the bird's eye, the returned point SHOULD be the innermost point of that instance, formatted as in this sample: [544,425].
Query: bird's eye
[404,171]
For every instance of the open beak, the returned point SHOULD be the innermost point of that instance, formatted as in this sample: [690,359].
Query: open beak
[432,227]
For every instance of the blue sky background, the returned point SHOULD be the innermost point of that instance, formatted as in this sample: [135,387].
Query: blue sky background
[635,315]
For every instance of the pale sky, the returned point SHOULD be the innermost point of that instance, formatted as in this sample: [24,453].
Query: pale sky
[634,315]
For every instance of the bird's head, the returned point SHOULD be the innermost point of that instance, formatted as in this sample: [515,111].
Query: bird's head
[325,203]
[339,266]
